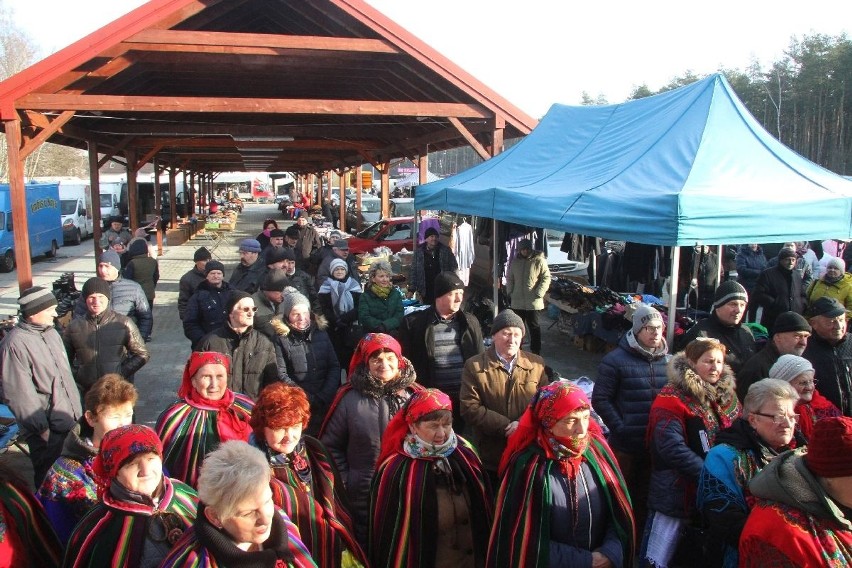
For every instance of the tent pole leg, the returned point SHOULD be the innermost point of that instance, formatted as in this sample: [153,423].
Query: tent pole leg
[673,297]
[494,272]
[593,258]
[720,265]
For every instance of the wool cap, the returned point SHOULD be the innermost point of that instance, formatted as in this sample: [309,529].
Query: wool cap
[116,219]
[786,253]
[728,291]
[235,298]
[95,286]
[446,282]
[277,254]
[788,367]
[36,299]
[202,254]
[292,231]
[293,298]
[431,231]
[835,262]
[790,321]
[276,233]
[275,281]
[341,244]
[830,448]
[138,248]
[825,306]
[644,315]
[337,263]
[524,244]
[111,257]
[249,245]
[507,318]
[214,265]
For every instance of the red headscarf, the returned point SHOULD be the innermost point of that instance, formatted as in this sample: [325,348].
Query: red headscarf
[418,405]
[118,446]
[228,424]
[371,343]
[549,405]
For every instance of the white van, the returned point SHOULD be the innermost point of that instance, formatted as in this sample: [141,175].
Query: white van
[75,204]
[110,196]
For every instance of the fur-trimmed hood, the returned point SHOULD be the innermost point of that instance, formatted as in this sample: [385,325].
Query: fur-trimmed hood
[281,327]
[684,378]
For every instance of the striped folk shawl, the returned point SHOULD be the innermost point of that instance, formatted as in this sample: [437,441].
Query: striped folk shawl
[404,508]
[113,536]
[521,533]
[24,528]
[189,433]
[321,513]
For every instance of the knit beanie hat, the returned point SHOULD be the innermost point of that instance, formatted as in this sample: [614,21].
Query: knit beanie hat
[111,257]
[431,231]
[95,286]
[292,232]
[250,245]
[727,291]
[138,248]
[202,254]
[214,265]
[36,299]
[274,255]
[292,299]
[788,367]
[507,318]
[838,263]
[446,282]
[235,298]
[337,263]
[790,321]
[786,253]
[644,315]
[830,448]
[275,281]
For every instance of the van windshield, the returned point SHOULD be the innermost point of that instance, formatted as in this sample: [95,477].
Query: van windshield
[371,206]
[106,200]
[68,206]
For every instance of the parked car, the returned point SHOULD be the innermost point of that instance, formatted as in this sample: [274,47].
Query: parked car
[558,261]
[395,233]
[370,212]
[402,207]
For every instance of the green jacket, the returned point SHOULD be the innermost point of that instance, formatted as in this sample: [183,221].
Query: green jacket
[374,311]
[528,281]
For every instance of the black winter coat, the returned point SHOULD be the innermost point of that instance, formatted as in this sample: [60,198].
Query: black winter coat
[145,271]
[779,291]
[248,278]
[98,345]
[756,368]
[252,358]
[126,297]
[833,369]
[188,284]
[737,339]
[205,311]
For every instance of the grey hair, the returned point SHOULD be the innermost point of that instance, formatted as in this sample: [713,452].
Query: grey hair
[766,390]
[229,474]
[379,265]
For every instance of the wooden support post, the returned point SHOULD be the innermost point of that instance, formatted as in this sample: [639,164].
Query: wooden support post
[19,205]
[132,191]
[385,171]
[423,167]
[95,183]
[158,206]
[173,196]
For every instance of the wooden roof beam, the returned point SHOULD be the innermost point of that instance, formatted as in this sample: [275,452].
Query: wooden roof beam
[33,143]
[471,139]
[207,129]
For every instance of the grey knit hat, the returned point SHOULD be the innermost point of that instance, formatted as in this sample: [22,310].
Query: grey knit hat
[644,315]
[293,298]
[507,318]
[111,257]
[36,299]
[728,291]
[788,367]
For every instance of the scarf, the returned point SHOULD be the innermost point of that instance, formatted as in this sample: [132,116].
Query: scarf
[380,291]
[341,293]
[229,424]
[567,451]
[415,447]
[833,279]
[276,551]
[296,460]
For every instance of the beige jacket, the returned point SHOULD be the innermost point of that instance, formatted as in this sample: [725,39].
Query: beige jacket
[528,281]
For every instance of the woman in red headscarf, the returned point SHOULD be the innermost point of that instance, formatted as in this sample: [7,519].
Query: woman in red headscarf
[207,414]
[430,501]
[380,381]
[562,500]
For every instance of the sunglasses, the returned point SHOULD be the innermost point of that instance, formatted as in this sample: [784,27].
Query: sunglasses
[251,310]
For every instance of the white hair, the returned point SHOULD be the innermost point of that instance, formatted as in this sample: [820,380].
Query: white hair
[229,474]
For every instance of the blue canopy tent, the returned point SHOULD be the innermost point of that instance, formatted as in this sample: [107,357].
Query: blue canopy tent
[683,167]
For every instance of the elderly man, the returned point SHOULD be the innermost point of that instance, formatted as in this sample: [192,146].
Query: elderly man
[252,354]
[189,282]
[36,380]
[780,289]
[276,242]
[527,283]
[497,385]
[104,341]
[116,237]
[249,272]
[439,340]
[725,324]
[307,243]
[430,259]
[339,249]
[126,297]
[206,308]
[298,278]
[789,338]
[830,352]
[268,300]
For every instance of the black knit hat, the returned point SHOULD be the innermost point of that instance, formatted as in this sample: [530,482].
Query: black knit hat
[95,286]
[214,265]
[36,299]
[275,281]
[235,298]
[507,318]
[201,253]
[790,321]
[727,291]
[274,254]
[446,282]
[292,231]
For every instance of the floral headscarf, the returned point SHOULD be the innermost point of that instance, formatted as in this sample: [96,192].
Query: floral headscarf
[118,446]
[371,343]
[419,405]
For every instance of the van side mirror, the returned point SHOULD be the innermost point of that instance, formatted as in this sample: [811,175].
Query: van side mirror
[83,212]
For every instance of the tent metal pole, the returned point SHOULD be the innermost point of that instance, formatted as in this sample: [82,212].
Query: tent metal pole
[494,282]
[720,265]
[673,298]
[593,258]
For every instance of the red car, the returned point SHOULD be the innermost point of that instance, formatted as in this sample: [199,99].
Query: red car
[395,233]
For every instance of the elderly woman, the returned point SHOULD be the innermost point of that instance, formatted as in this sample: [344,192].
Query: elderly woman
[835,283]
[380,381]
[69,489]
[740,452]
[305,481]
[303,350]
[142,513]
[811,406]
[562,500]
[430,501]
[207,414]
[380,307]
[237,523]
[338,297]
[698,401]
[263,237]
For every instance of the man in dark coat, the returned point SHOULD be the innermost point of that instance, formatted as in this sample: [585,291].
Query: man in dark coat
[779,289]
[430,259]
[830,352]
[249,272]
[725,324]
[307,243]
[189,282]
[206,308]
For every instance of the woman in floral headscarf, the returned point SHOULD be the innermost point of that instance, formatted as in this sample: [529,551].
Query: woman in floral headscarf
[380,381]
[142,513]
[430,501]
[562,500]
[208,414]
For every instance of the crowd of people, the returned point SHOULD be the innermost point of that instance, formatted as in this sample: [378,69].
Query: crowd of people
[298,438]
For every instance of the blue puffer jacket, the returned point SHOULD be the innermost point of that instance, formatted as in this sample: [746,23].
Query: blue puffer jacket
[629,379]
[750,263]
[205,311]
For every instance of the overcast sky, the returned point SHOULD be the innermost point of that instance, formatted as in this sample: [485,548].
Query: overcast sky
[538,52]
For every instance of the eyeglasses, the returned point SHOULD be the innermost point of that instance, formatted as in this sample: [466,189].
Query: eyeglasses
[652,328]
[779,419]
[812,383]
[247,310]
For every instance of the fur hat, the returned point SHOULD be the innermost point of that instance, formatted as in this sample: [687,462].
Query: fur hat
[95,286]
[36,299]
[835,262]
[201,253]
[644,315]
[790,321]
[446,282]
[507,318]
[292,231]
[728,291]
[830,448]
